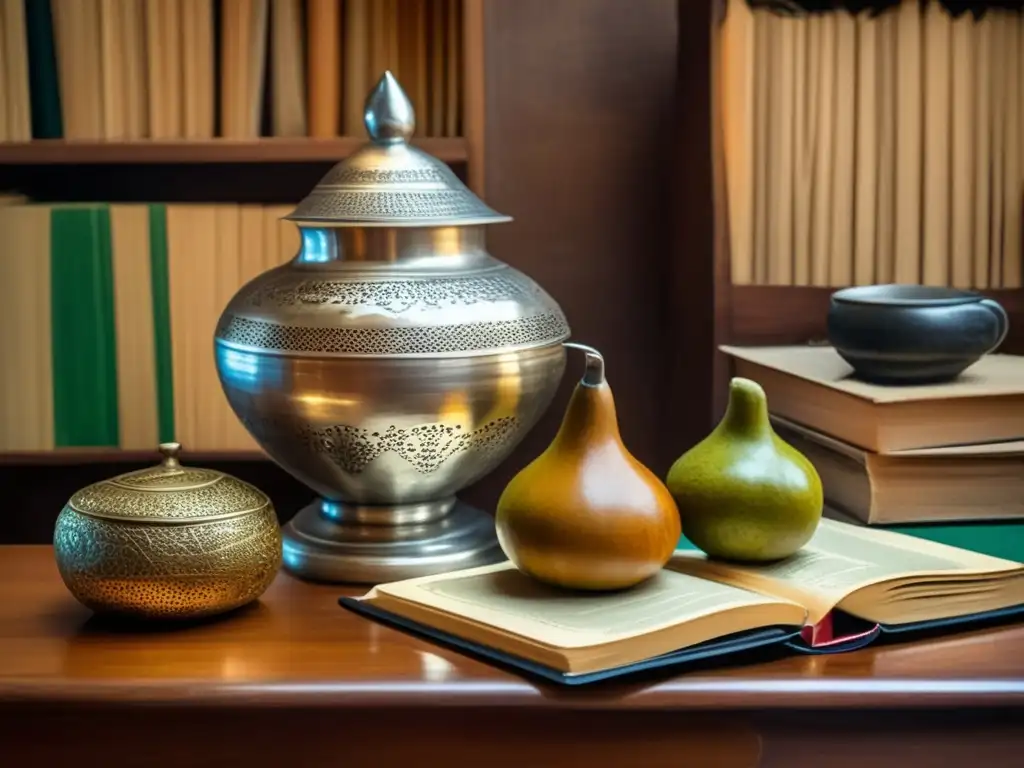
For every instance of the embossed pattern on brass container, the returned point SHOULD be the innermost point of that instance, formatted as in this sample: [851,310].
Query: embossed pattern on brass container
[391,363]
[168,542]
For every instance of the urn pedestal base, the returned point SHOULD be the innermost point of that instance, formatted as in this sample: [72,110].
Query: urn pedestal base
[336,542]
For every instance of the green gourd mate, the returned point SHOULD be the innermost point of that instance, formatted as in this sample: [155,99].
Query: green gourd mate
[743,493]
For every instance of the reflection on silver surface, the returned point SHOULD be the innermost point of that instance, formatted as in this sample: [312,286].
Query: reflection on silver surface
[399,431]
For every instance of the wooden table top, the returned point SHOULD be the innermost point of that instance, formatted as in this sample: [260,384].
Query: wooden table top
[297,647]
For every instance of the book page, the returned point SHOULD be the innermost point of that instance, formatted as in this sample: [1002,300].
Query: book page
[841,559]
[506,599]
[972,450]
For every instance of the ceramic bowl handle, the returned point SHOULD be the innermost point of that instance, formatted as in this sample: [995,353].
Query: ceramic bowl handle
[1004,321]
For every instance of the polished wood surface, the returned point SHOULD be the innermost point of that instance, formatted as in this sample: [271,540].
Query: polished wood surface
[297,680]
[297,646]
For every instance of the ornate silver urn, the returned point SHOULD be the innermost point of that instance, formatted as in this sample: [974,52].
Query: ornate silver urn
[391,363]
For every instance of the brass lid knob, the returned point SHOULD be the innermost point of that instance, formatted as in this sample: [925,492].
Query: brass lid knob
[170,453]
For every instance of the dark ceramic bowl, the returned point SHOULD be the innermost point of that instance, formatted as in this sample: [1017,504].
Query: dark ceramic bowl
[913,334]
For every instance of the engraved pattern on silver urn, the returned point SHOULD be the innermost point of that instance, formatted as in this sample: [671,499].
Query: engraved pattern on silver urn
[340,205]
[343,174]
[168,478]
[214,499]
[396,296]
[466,337]
[167,571]
[426,447]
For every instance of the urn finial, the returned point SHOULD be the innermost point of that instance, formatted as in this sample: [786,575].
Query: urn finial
[389,181]
[388,114]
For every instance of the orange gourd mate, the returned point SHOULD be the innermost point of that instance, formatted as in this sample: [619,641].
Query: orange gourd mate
[585,514]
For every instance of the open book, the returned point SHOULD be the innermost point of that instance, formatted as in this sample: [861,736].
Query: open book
[870,581]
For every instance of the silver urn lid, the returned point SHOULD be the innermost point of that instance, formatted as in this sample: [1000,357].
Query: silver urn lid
[389,182]
[393,263]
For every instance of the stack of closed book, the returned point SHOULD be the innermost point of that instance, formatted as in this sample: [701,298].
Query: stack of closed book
[236,69]
[107,317]
[931,455]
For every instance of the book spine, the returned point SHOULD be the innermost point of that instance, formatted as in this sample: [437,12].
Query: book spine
[356,62]
[224,281]
[323,67]
[83,342]
[44,87]
[161,298]
[26,378]
[136,369]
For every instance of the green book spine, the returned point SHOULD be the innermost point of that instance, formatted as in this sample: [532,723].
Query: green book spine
[162,321]
[44,88]
[83,342]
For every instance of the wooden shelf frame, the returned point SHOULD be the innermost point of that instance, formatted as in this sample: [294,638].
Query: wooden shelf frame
[465,150]
[70,456]
[190,151]
[708,310]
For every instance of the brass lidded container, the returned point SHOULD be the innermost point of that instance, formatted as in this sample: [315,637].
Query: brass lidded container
[169,541]
[392,362]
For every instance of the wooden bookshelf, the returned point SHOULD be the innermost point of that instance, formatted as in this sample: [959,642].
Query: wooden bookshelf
[152,152]
[269,170]
[528,98]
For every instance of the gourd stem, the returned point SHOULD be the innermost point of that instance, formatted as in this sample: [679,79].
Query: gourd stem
[747,411]
[593,374]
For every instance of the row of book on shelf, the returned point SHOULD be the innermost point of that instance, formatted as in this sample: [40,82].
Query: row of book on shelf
[935,455]
[240,69]
[876,143]
[107,319]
